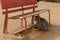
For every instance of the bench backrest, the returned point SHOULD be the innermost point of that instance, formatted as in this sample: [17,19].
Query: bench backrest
[7,4]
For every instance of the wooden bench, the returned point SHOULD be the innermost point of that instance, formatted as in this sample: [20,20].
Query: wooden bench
[8,4]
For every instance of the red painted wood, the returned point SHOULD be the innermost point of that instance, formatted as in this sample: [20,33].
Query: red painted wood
[49,17]
[26,31]
[19,9]
[28,14]
[27,2]
[32,20]
[6,23]
[16,3]
[7,4]
[39,23]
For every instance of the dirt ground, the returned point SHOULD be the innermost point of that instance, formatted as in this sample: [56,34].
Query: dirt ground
[52,34]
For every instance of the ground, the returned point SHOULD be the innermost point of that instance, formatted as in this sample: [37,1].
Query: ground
[52,34]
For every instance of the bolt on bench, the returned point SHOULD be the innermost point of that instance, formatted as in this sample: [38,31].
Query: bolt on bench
[8,4]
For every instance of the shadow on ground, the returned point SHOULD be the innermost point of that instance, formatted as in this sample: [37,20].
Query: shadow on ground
[54,31]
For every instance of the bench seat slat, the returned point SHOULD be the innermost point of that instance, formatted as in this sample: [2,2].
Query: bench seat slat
[29,14]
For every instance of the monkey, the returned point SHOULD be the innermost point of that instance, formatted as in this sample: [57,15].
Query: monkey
[43,23]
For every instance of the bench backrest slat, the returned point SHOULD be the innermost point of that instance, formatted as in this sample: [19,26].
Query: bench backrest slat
[16,3]
[7,4]
[19,9]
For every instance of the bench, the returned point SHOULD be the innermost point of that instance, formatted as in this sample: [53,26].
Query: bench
[8,4]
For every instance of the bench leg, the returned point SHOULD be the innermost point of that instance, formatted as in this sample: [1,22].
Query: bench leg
[5,24]
[39,22]
[26,31]
[49,17]
[22,23]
